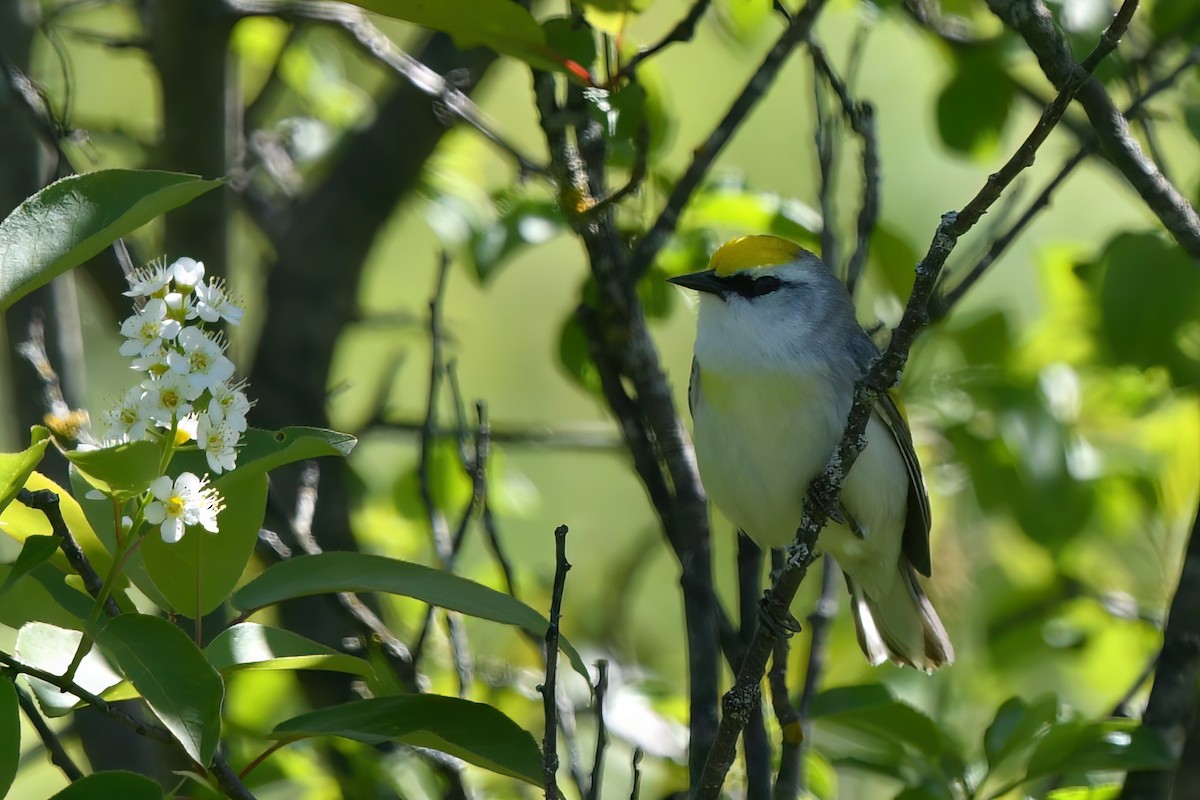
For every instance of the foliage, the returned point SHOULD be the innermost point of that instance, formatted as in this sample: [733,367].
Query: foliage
[1055,407]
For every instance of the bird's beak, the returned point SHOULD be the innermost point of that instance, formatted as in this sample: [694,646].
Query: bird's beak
[706,281]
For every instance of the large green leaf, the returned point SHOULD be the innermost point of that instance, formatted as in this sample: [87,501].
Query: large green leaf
[1017,725]
[500,25]
[329,573]
[250,646]
[1075,746]
[10,734]
[15,468]
[71,220]
[122,471]
[51,648]
[36,550]
[197,573]
[110,785]
[973,107]
[474,732]
[100,514]
[20,522]
[873,711]
[173,677]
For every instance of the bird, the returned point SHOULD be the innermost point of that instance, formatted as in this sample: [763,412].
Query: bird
[778,350]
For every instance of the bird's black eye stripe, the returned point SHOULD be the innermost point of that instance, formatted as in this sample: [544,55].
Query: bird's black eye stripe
[750,286]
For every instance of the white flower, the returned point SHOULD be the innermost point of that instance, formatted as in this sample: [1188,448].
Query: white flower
[213,304]
[230,405]
[156,363]
[207,364]
[167,398]
[125,421]
[148,281]
[219,442]
[187,272]
[186,501]
[147,329]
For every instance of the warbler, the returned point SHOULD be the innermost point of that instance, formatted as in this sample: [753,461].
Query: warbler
[778,352]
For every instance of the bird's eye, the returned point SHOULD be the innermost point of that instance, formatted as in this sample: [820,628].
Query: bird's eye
[749,286]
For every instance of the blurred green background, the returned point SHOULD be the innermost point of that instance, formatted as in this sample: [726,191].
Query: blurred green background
[1055,409]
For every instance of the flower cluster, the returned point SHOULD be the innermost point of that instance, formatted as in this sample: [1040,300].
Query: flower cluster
[188,388]
[188,391]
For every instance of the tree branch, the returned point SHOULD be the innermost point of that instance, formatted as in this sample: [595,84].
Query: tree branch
[548,690]
[54,747]
[704,156]
[1033,21]
[1171,709]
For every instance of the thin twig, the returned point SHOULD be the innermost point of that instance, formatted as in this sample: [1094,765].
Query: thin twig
[704,156]
[54,747]
[593,792]
[825,135]
[581,437]
[755,743]
[683,31]
[548,688]
[790,777]
[861,117]
[884,372]
[942,304]
[219,767]
[443,543]
[820,623]
[47,502]
[450,99]
[1034,22]
[636,766]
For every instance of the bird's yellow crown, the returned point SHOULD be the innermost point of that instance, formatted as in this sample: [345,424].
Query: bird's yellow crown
[747,252]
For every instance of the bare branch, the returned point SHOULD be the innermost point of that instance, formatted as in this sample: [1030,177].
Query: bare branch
[683,31]
[47,502]
[354,21]
[1171,709]
[58,754]
[549,696]
[704,156]
[593,792]
[1034,22]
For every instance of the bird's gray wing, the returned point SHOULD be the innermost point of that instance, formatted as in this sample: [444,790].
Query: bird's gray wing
[694,387]
[916,525]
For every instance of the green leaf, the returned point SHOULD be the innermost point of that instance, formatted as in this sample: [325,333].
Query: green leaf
[10,734]
[330,573]
[520,224]
[893,257]
[173,677]
[474,732]
[71,220]
[871,709]
[576,357]
[123,471]
[20,522]
[1076,746]
[250,646]
[51,648]
[197,573]
[973,107]
[1110,791]
[500,25]
[100,515]
[570,40]
[109,785]
[1149,290]
[1017,725]
[262,451]
[36,550]
[15,468]
[740,209]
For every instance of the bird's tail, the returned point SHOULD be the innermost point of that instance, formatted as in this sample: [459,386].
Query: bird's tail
[902,625]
